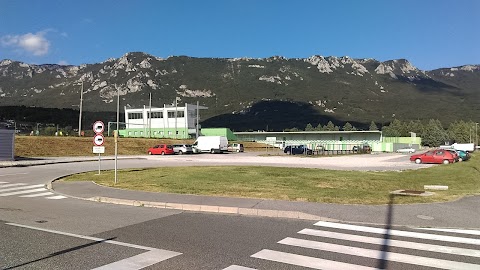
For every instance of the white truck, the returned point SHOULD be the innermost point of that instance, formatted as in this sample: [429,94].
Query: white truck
[212,144]
[469,147]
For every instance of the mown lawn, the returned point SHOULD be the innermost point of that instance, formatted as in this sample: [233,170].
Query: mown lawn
[298,184]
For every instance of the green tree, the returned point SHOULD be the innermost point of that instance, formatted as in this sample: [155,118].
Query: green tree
[434,134]
[373,126]
[415,126]
[329,127]
[319,127]
[461,131]
[309,127]
[347,127]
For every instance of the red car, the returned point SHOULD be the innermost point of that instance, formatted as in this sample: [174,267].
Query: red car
[434,156]
[161,149]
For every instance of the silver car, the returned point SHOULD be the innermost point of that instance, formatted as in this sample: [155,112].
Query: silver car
[182,149]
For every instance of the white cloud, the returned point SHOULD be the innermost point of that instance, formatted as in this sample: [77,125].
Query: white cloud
[36,44]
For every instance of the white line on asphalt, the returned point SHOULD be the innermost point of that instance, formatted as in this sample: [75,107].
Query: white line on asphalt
[379,255]
[12,185]
[236,267]
[3,182]
[136,262]
[306,261]
[58,197]
[21,192]
[427,236]
[140,261]
[393,243]
[11,174]
[37,195]
[22,187]
[472,232]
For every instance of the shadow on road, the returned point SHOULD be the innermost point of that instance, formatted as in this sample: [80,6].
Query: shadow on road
[383,261]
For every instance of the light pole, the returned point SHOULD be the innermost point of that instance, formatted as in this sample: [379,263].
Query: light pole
[80,116]
[476,134]
[116,134]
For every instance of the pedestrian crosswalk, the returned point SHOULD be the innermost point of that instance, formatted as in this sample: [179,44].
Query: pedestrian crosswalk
[363,247]
[27,191]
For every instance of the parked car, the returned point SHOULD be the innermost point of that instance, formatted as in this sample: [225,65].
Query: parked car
[406,150]
[161,149]
[438,156]
[362,149]
[462,155]
[235,147]
[182,149]
[297,150]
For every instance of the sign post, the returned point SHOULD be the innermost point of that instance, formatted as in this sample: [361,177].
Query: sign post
[98,140]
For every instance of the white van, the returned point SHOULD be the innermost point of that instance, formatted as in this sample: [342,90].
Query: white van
[212,144]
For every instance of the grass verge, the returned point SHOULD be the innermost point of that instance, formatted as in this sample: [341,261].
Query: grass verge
[298,184]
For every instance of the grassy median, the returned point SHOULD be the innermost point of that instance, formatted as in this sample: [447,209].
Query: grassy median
[298,184]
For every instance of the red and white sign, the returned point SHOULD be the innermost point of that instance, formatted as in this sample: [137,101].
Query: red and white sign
[98,140]
[98,127]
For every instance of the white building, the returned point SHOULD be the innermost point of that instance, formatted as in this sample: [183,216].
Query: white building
[167,122]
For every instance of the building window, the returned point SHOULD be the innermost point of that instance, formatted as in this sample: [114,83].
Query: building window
[156,115]
[180,114]
[135,116]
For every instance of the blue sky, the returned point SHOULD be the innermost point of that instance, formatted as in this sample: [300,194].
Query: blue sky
[429,33]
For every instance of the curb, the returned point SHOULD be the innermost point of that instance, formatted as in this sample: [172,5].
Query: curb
[212,209]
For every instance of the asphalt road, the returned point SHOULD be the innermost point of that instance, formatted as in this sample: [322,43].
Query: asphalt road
[51,232]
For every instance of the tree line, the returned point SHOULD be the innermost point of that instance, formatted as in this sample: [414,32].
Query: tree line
[432,131]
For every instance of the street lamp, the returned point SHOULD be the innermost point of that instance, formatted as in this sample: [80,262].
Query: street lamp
[476,134]
[80,116]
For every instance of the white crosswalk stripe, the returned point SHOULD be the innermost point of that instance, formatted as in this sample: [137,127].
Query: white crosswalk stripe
[405,252]
[31,191]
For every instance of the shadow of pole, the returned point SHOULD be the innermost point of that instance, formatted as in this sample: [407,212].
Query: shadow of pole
[60,253]
[383,261]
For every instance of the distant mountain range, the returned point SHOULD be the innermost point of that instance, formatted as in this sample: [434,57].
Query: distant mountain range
[251,93]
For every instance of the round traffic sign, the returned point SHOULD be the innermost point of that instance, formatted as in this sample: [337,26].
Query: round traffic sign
[98,127]
[98,140]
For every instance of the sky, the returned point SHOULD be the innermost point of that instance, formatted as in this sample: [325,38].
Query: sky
[429,33]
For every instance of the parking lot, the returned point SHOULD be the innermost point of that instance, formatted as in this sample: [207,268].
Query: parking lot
[359,162]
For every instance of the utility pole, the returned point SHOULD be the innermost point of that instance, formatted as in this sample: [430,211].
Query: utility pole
[175,117]
[116,133]
[80,116]
[198,116]
[150,117]
[476,134]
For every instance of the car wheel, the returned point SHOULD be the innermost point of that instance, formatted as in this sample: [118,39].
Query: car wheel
[238,150]
[289,153]
[212,151]
[446,161]
[460,159]
[149,152]
[163,153]
[180,152]
[418,161]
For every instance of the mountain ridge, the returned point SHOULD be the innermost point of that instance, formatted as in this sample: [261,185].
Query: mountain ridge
[342,88]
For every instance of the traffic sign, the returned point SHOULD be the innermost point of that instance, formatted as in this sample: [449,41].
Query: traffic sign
[99,149]
[98,127]
[98,140]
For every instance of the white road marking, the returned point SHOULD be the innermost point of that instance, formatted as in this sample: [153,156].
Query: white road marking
[427,236]
[3,182]
[22,187]
[12,174]
[58,197]
[140,261]
[21,192]
[379,255]
[37,195]
[236,267]
[393,243]
[306,261]
[12,185]
[472,232]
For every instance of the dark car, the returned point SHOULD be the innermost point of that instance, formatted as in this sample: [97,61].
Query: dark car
[297,150]
[435,156]
[461,155]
